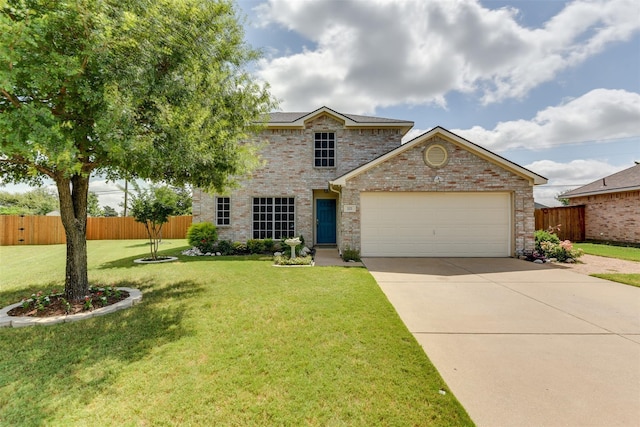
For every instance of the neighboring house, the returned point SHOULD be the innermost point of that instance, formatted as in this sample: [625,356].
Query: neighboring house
[346,180]
[612,206]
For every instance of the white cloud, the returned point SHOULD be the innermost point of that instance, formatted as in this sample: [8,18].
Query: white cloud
[600,114]
[567,176]
[378,53]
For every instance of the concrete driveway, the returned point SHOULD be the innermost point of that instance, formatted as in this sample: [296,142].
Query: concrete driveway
[522,344]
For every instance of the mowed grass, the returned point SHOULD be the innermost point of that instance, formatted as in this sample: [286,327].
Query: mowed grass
[216,341]
[628,279]
[621,252]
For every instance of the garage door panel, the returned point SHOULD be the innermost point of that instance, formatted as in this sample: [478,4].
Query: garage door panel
[435,224]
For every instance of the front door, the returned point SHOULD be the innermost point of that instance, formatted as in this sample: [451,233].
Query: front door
[326,221]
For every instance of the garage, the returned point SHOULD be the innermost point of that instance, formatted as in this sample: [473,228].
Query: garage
[436,224]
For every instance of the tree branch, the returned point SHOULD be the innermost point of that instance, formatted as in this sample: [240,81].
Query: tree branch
[10,98]
[19,160]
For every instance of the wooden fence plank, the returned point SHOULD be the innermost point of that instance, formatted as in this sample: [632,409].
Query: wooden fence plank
[569,218]
[48,230]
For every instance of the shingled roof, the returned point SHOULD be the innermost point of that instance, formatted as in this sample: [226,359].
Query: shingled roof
[285,117]
[625,180]
[297,120]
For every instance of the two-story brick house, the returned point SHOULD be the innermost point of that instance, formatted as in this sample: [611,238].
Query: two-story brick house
[347,180]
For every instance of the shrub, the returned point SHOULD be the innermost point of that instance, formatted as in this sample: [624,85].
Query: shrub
[285,260]
[561,251]
[545,236]
[549,245]
[225,247]
[239,248]
[255,246]
[203,235]
[349,254]
[269,245]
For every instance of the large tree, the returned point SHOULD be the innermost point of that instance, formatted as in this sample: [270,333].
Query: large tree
[151,89]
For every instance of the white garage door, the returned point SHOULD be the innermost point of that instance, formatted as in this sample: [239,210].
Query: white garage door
[435,224]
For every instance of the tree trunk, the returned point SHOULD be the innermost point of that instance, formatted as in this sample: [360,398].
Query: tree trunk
[73,195]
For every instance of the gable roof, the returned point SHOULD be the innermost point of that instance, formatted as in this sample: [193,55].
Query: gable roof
[298,120]
[534,178]
[625,180]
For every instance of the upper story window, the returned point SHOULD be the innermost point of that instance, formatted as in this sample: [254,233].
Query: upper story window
[223,211]
[325,150]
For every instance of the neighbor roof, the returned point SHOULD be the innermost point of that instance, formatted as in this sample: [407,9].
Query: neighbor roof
[297,120]
[476,149]
[625,180]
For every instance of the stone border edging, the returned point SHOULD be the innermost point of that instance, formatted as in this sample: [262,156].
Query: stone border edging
[135,297]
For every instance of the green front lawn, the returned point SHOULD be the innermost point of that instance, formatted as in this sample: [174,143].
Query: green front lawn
[620,252]
[627,279]
[216,341]
[609,251]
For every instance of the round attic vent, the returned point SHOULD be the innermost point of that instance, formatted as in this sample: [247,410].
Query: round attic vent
[436,156]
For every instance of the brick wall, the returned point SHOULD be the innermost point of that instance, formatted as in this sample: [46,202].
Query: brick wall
[464,172]
[612,217]
[289,171]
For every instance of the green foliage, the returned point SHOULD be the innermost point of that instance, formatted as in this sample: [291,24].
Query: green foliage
[561,251]
[153,90]
[152,208]
[225,247]
[203,235]
[255,246]
[108,211]
[544,236]
[239,248]
[93,206]
[39,201]
[269,245]
[349,254]
[549,245]
[179,198]
[260,246]
[285,260]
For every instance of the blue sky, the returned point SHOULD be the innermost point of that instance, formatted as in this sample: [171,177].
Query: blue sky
[551,85]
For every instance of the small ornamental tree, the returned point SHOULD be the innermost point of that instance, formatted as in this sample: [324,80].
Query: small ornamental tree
[153,208]
[129,89]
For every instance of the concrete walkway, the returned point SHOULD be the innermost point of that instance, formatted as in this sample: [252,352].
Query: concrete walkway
[329,257]
[522,344]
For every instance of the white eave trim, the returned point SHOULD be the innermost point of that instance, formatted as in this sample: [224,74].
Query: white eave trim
[534,178]
[348,123]
[597,192]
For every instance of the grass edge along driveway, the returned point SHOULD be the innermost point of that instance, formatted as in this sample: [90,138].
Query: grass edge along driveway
[216,341]
[610,251]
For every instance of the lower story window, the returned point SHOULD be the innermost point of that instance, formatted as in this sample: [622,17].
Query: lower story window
[223,211]
[273,217]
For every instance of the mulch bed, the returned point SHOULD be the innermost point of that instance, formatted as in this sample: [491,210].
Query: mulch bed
[57,306]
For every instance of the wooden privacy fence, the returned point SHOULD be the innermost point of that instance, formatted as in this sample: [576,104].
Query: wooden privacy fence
[48,230]
[570,219]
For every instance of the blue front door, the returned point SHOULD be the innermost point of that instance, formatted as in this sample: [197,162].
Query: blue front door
[326,221]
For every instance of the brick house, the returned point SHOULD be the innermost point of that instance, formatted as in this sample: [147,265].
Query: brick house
[612,206]
[347,180]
